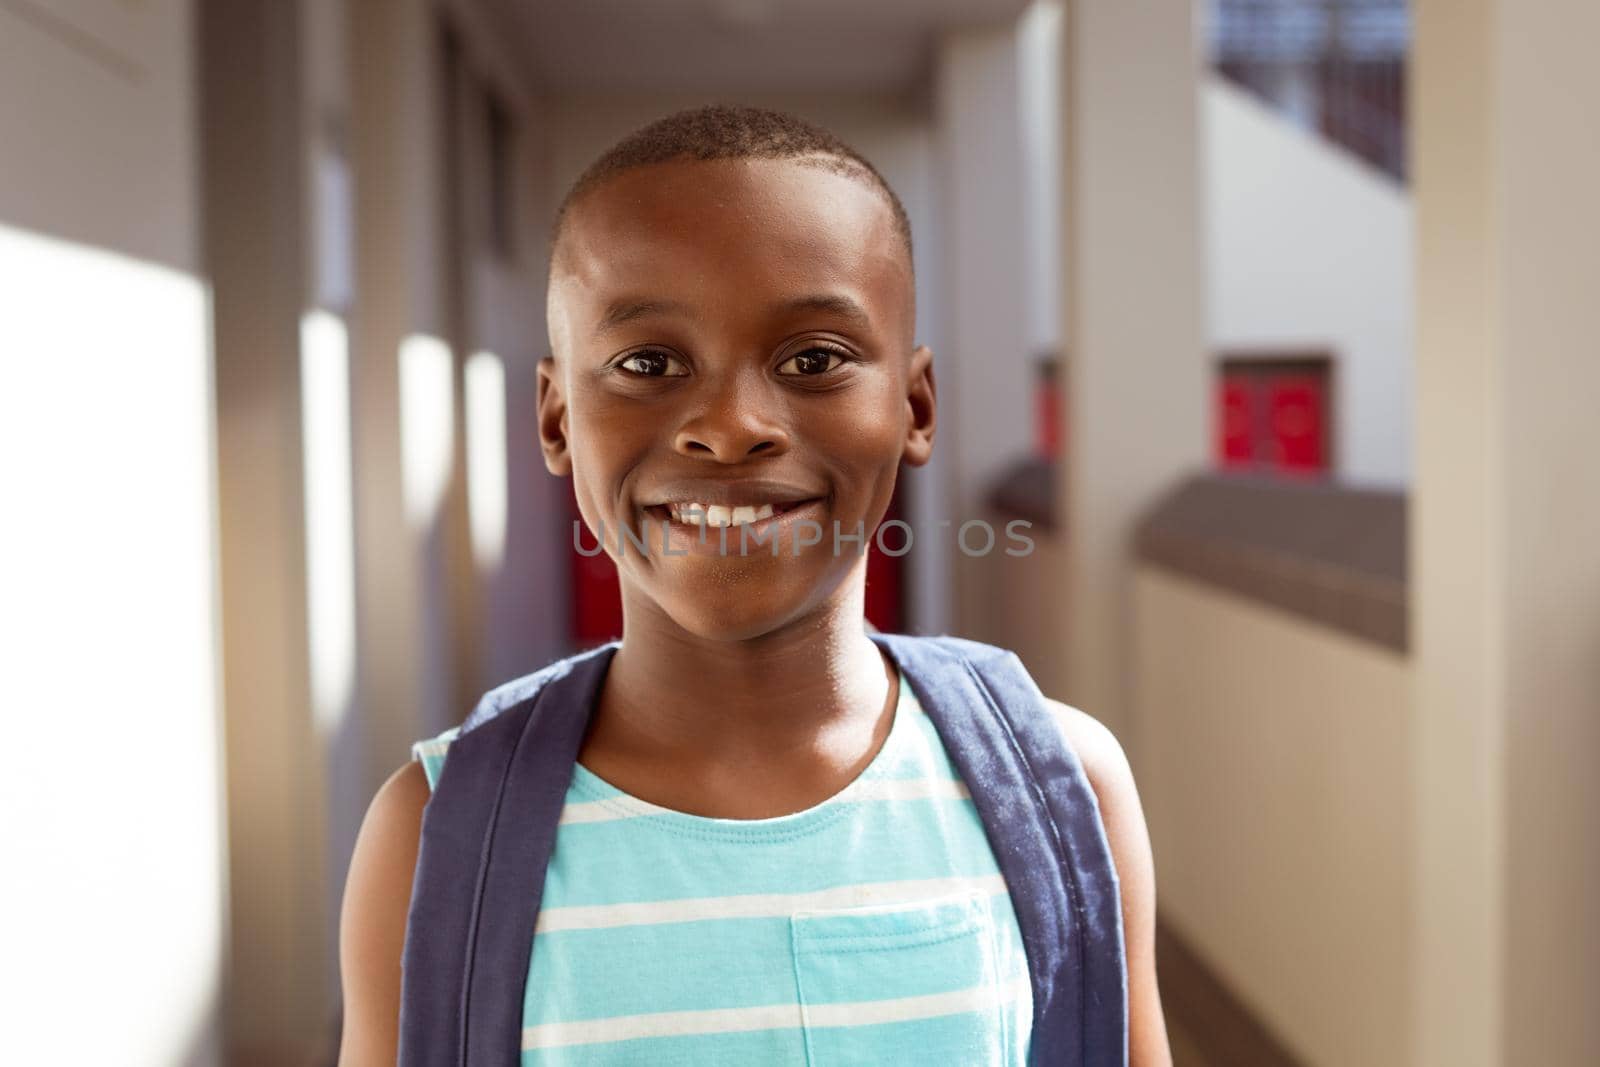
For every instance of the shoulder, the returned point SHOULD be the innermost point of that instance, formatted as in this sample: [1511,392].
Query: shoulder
[385,857]
[1104,762]
[1106,766]
[1097,748]
[397,806]
[372,923]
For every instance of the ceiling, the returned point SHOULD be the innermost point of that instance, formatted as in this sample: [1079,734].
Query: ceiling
[745,46]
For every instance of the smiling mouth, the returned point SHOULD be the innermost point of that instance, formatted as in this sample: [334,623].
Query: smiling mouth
[694,513]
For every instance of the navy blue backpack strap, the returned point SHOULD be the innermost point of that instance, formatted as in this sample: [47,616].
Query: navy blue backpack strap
[476,893]
[1043,823]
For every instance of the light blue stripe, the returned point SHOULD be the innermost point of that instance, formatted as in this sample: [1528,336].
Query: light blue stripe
[977,1037]
[598,863]
[667,967]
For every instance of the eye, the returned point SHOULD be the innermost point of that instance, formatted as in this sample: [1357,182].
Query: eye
[812,362]
[653,363]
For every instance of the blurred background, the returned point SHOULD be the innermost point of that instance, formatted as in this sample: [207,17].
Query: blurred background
[1277,318]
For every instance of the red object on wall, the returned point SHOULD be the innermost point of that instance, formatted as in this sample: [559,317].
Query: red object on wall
[596,592]
[1273,415]
[1047,410]
[1236,445]
[1295,404]
[883,603]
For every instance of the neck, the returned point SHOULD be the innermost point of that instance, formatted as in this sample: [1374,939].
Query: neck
[673,692]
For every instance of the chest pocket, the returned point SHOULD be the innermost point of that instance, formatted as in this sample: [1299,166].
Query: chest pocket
[901,983]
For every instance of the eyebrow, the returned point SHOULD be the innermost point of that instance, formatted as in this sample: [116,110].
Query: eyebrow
[833,304]
[624,311]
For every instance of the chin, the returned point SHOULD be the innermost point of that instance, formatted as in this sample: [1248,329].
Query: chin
[739,604]
[732,631]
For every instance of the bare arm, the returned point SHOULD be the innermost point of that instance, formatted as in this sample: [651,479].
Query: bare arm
[1120,811]
[372,927]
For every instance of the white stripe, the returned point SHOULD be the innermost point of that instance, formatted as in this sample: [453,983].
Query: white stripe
[758,905]
[662,1024]
[873,789]
[770,1017]
[906,1009]
[607,810]
[910,789]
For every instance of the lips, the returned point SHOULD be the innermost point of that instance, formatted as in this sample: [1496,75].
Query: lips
[697,513]
[725,504]
[745,518]
[785,533]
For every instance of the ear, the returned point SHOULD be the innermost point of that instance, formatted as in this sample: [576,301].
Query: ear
[921,408]
[553,419]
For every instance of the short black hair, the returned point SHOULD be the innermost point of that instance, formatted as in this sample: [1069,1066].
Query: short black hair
[721,131]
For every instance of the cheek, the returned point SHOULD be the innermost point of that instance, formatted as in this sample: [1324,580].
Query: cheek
[869,444]
[605,447]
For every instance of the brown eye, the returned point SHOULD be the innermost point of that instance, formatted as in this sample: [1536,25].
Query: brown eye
[653,363]
[811,362]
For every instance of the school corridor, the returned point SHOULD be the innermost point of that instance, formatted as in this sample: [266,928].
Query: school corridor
[1272,323]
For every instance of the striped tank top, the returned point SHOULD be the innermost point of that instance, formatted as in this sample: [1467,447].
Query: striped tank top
[872,928]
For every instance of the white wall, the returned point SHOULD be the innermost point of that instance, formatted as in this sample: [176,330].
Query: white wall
[112,810]
[984,210]
[1506,520]
[1307,246]
[92,88]
[992,316]
[1276,775]
[1039,69]
[1135,394]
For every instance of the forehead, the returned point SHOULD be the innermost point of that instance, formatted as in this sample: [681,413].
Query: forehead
[727,238]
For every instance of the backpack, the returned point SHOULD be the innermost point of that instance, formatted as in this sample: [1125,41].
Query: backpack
[478,883]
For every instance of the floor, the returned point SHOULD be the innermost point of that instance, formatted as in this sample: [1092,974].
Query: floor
[1185,1051]
[1207,1024]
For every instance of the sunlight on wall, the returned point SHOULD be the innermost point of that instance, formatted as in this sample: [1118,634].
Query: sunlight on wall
[1039,69]
[330,519]
[486,457]
[427,425]
[112,916]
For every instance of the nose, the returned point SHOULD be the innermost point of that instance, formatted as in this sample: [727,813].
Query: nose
[737,420]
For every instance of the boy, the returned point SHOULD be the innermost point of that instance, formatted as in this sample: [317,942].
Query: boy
[765,853]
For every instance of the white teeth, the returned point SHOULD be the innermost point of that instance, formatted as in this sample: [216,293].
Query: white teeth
[697,514]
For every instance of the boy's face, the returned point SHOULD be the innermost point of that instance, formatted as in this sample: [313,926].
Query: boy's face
[733,334]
